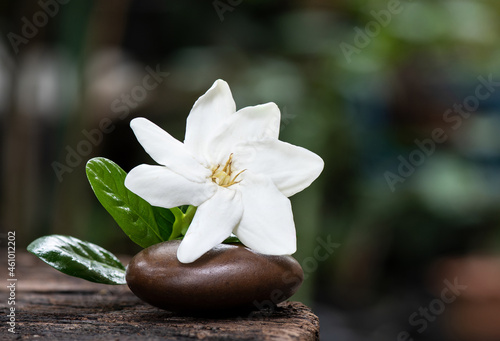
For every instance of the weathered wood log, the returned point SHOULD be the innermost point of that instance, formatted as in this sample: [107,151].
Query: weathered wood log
[52,306]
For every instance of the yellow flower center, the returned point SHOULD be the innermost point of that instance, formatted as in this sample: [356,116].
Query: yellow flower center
[224,177]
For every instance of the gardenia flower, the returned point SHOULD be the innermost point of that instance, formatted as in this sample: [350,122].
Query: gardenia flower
[233,168]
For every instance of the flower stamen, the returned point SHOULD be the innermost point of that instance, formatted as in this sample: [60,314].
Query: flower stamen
[223,177]
[227,167]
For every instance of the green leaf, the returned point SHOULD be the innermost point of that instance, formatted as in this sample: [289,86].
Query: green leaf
[231,240]
[79,259]
[165,220]
[134,215]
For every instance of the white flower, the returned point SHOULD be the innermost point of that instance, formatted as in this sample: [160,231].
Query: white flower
[233,168]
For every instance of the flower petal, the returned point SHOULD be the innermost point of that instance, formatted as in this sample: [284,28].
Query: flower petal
[208,113]
[290,167]
[213,222]
[168,151]
[162,187]
[267,224]
[248,124]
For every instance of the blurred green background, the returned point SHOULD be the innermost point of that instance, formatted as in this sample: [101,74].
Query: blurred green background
[368,85]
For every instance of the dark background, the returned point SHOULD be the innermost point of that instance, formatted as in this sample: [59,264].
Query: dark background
[374,87]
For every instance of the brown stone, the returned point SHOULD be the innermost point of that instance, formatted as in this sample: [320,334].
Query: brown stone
[227,278]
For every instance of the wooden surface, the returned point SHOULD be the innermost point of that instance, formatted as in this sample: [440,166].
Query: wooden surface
[53,306]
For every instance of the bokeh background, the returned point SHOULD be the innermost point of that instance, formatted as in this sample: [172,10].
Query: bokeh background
[400,98]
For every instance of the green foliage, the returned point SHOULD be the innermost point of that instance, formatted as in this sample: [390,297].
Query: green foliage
[79,259]
[165,220]
[183,219]
[144,224]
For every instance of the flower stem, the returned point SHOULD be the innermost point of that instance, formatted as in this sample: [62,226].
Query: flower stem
[182,221]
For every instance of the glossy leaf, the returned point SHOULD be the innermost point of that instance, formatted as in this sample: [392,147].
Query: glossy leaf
[134,215]
[231,240]
[165,220]
[79,259]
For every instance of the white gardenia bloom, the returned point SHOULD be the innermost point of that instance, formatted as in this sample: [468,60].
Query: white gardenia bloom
[233,168]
